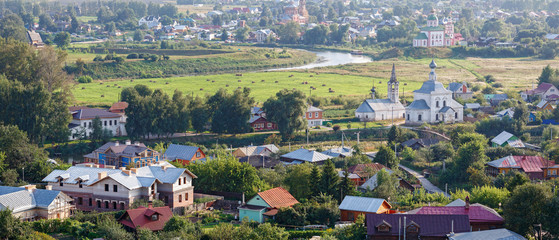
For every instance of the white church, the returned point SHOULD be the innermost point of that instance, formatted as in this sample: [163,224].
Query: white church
[433,103]
[383,109]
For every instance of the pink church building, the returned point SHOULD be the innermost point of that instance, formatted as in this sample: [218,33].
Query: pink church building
[436,34]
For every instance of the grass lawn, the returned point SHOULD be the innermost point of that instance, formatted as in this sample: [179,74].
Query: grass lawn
[86,19]
[264,85]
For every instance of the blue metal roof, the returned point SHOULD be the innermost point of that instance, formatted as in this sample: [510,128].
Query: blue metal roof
[361,204]
[175,151]
[419,105]
[431,86]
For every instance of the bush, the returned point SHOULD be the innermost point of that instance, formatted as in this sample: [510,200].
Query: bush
[98,58]
[109,57]
[119,60]
[132,56]
[302,234]
[85,79]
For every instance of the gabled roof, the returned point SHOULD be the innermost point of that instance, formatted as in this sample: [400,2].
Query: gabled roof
[472,105]
[542,88]
[337,152]
[175,151]
[454,86]
[526,163]
[418,105]
[542,103]
[495,234]
[20,199]
[421,36]
[278,197]
[91,113]
[313,109]
[141,218]
[372,182]
[432,86]
[430,225]
[457,203]
[373,105]
[360,169]
[258,150]
[362,204]
[503,137]
[118,106]
[476,213]
[423,142]
[306,155]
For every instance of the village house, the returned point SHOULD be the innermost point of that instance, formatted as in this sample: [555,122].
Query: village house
[341,152]
[372,183]
[436,34]
[259,122]
[545,105]
[152,22]
[122,155]
[314,116]
[495,234]
[302,155]
[480,216]
[509,112]
[417,143]
[536,167]
[460,90]
[295,12]
[184,154]
[433,103]
[265,204]
[383,109]
[35,39]
[495,99]
[544,91]
[152,218]
[94,188]
[263,35]
[415,226]
[506,139]
[353,206]
[29,203]
[256,151]
[364,171]
[82,122]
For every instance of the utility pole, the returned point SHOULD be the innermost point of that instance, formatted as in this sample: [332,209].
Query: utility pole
[357,133]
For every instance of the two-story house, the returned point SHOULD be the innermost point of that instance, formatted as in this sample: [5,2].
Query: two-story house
[546,91]
[150,22]
[184,154]
[314,116]
[82,122]
[29,203]
[122,155]
[460,90]
[109,189]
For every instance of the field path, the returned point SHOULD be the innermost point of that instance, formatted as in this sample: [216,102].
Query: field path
[477,75]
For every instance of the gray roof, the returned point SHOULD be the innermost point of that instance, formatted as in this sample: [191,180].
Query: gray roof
[313,109]
[336,152]
[361,204]
[432,86]
[446,109]
[71,175]
[306,155]
[495,234]
[91,113]
[454,86]
[472,105]
[20,199]
[457,203]
[259,150]
[372,105]
[175,151]
[503,137]
[371,183]
[122,149]
[419,105]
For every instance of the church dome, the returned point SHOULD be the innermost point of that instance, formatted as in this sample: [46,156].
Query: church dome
[432,16]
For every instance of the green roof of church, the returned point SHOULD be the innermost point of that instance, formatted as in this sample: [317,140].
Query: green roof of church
[432,17]
[421,36]
[438,28]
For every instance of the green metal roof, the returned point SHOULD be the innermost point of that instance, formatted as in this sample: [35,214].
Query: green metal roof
[432,17]
[438,28]
[421,36]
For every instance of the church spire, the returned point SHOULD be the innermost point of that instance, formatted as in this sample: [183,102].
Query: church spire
[393,75]
[433,75]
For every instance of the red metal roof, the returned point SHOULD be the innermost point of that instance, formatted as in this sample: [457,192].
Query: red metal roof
[278,197]
[141,217]
[118,106]
[359,169]
[476,213]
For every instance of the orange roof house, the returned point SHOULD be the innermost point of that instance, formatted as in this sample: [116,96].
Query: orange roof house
[266,204]
[151,218]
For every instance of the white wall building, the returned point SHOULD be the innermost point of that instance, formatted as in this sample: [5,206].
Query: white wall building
[82,122]
[150,22]
[433,103]
[383,109]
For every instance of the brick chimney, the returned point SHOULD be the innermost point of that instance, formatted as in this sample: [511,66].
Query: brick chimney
[117,143]
[30,187]
[134,170]
[48,187]
[127,172]
[137,143]
[150,204]
[128,142]
[164,167]
[467,206]
[101,175]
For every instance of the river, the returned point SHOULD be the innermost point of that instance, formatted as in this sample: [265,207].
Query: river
[330,58]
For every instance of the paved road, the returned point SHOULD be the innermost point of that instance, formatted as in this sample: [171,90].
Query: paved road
[424,182]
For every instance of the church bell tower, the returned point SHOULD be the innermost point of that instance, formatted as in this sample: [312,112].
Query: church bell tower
[393,87]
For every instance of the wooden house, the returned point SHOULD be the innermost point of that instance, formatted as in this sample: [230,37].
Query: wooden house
[184,154]
[353,206]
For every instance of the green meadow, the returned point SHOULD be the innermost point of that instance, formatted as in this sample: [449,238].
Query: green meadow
[262,84]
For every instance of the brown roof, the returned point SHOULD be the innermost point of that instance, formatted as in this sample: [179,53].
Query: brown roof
[118,106]
[141,217]
[278,197]
[359,169]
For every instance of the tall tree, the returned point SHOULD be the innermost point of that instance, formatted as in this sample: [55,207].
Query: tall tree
[298,180]
[329,179]
[11,26]
[394,134]
[287,109]
[547,75]
[387,157]
[289,32]
[386,185]
[527,206]
[315,185]
[346,186]
[231,112]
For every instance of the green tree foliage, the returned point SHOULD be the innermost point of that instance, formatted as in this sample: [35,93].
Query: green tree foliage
[200,114]
[18,150]
[10,178]
[11,227]
[298,180]
[11,26]
[316,35]
[421,198]
[315,186]
[241,34]
[442,151]
[552,21]
[386,185]
[231,112]
[289,32]
[394,134]
[487,195]
[329,179]
[153,112]
[227,174]
[287,110]
[290,216]
[527,205]
[99,134]
[45,22]
[146,234]
[547,76]
[511,180]
[468,165]
[181,224]
[138,35]
[387,157]
[467,137]
[110,229]
[356,231]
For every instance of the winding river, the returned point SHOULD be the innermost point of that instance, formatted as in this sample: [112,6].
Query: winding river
[330,58]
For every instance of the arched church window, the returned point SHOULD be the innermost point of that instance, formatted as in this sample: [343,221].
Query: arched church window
[444,103]
[437,103]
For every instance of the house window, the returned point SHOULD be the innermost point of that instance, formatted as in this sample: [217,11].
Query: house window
[80,200]
[115,122]
[61,183]
[98,203]
[115,188]
[437,117]
[419,117]
[110,123]
[114,205]
[310,115]
[184,180]
[89,124]
[179,181]
[166,198]
[90,202]
[80,184]
[154,217]
[121,206]
[316,114]
[408,117]
[180,198]
[186,196]
[444,103]
[105,122]
[198,154]
[456,115]
[269,125]
[84,124]
[106,204]
[106,187]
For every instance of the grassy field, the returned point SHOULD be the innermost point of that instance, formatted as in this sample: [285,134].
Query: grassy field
[86,19]
[263,87]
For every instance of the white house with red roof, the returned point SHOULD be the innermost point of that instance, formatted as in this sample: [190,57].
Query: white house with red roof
[546,91]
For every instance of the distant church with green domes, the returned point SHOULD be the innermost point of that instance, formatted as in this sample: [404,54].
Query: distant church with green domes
[436,34]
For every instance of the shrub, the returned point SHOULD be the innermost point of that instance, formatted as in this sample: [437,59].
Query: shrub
[85,79]
[119,60]
[109,57]
[98,58]
[302,234]
[132,56]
